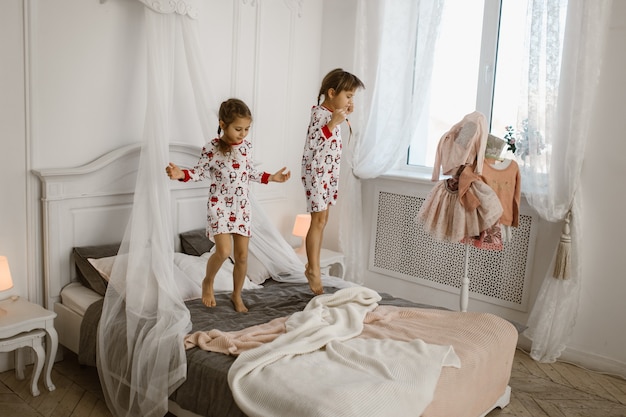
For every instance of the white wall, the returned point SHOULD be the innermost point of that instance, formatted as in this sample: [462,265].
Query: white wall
[89,87]
[14,227]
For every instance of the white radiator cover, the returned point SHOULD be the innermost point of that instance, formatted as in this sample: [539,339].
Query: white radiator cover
[401,248]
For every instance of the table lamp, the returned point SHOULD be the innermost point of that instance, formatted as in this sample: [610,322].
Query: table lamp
[6,282]
[300,228]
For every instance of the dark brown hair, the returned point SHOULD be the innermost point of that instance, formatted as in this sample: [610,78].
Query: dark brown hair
[231,110]
[339,80]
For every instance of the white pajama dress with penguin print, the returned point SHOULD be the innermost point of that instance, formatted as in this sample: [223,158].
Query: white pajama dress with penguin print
[228,208]
[320,161]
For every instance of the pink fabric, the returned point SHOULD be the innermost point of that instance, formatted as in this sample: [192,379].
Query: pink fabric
[443,216]
[234,343]
[463,144]
[506,181]
[490,239]
[485,343]
[467,197]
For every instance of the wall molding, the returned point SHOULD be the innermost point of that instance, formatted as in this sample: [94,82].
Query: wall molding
[34,232]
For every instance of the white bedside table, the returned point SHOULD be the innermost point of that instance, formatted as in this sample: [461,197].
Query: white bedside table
[331,262]
[21,317]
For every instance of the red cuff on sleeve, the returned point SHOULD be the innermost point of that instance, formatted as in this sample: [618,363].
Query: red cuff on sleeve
[326,132]
[265,178]
[187,176]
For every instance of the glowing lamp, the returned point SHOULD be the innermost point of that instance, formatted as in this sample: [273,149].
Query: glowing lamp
[300,228]
[6,282]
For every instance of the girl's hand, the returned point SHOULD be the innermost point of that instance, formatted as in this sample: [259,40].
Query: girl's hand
[174,172]
[339,115]
[281,175]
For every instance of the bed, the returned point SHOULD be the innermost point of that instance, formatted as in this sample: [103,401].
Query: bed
[84,212]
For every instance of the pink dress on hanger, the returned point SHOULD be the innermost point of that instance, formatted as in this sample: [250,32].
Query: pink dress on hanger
[462,206]
[505,180]
[463,144]
[459,208]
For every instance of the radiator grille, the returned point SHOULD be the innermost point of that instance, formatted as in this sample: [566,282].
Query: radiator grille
[402,249]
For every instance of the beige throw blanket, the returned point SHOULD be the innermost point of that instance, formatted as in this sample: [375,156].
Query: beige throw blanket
[312,364]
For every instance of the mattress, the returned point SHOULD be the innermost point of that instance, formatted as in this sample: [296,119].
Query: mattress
[78,298]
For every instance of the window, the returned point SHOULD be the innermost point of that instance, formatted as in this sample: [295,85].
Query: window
[477,66]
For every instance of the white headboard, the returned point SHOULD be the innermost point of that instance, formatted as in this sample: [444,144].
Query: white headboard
[91,205]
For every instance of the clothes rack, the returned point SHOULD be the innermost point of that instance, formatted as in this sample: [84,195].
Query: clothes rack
[465,281]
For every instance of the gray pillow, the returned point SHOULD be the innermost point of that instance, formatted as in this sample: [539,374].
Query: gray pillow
[195,242]
[87,274]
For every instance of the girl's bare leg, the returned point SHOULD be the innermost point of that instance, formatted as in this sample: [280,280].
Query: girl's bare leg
[313,248]
[213,264]
[239,271]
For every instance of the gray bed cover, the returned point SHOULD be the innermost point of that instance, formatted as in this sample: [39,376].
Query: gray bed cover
[206,391]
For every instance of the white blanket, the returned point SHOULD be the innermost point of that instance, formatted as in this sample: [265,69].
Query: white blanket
[316,369]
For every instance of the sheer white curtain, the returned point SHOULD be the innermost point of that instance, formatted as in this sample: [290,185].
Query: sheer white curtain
[143,306]
[561,91]
[271,248]
[390,34]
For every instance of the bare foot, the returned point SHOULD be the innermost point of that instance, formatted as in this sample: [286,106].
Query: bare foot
[315,280]
[208,298]
[240,307]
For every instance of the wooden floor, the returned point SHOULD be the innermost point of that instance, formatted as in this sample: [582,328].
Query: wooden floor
[538,390]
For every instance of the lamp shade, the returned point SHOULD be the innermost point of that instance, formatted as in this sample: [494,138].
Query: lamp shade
[5,274]
[301,225]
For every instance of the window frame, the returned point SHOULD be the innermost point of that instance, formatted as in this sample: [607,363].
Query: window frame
[485,85]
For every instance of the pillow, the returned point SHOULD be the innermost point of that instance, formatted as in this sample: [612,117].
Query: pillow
[104,266]
[194,267]
[195,242]
[189,271]
[257,272]
[188,286]
[85,271]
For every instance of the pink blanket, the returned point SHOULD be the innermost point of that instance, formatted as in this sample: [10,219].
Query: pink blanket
[233,343]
